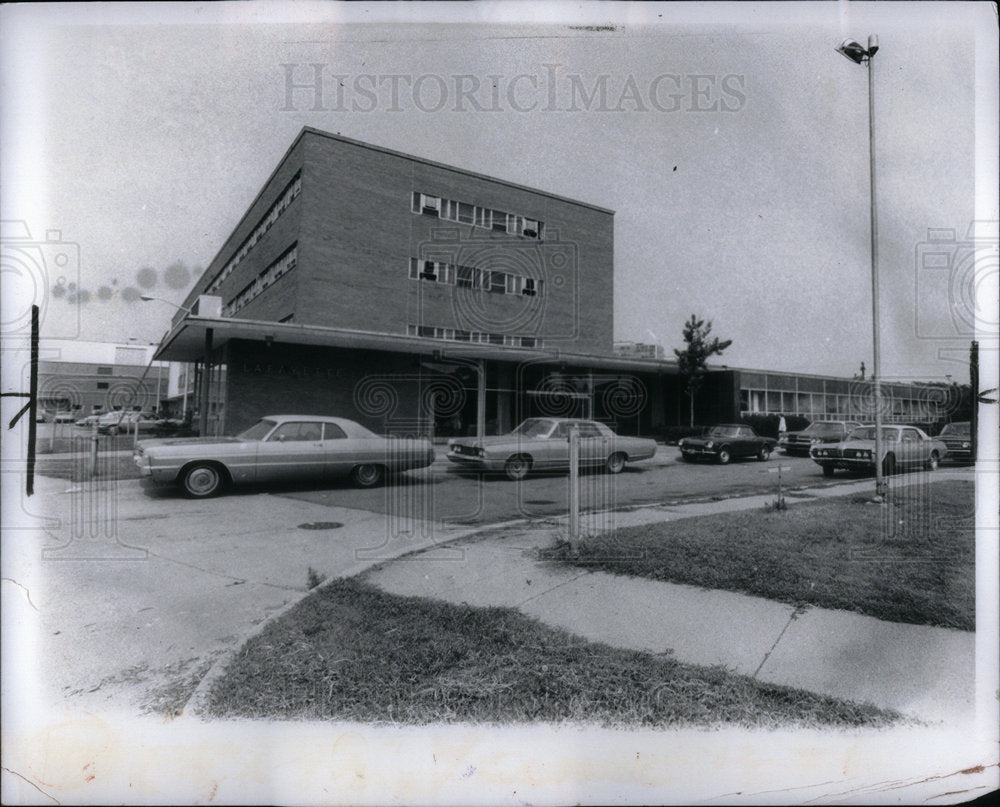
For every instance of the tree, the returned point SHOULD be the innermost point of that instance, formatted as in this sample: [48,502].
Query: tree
[692,361]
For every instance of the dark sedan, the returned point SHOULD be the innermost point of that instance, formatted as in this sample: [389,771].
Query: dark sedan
[958,438]
[724,442]
[817,433]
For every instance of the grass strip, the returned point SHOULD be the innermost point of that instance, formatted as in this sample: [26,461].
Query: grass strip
[353,652]
[911,560]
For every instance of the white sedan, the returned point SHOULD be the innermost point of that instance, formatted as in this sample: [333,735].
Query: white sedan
[277,448]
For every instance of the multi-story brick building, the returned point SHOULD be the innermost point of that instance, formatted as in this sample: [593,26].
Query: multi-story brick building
[360,272]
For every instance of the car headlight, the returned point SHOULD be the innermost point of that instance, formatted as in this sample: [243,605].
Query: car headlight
[815,441]
[821,452]
[480,452]
[709,444]
[966,445]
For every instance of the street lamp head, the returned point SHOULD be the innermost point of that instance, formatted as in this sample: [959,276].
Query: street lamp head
[853,50]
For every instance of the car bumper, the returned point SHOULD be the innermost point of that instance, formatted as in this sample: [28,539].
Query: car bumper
[476,463]
[699,452]
[142,463]
[798,449]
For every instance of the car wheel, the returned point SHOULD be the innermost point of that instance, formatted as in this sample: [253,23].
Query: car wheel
[615,463]
[828,470]
[367,475]
[202,480]
[517,468]
[764,454]
[888,465]
[724,456]
[933,461]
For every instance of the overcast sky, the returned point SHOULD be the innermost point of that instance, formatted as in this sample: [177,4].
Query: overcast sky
[734,152]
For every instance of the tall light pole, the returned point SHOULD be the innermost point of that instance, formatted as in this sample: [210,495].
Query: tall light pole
[859,55]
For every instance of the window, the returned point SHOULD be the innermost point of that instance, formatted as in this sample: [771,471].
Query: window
[589,430]
[528,289]
[297,432]
[466,213]
[428,272]
[331,431]
[102,384]
[498,282]
[466,277]
[104,370]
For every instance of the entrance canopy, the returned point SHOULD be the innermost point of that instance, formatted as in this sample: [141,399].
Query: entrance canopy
[186,342]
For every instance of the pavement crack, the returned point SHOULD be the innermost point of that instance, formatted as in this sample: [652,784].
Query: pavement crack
[791,618]
[553,588]
[234,580]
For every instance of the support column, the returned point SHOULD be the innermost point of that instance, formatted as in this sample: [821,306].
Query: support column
[480,399]
[206,379]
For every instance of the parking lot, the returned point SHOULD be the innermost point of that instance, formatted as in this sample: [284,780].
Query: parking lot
[446,493]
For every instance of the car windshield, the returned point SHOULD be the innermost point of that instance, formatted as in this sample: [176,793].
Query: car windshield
[257,431]
[723,431]
[868,433]
[824,428]
[956,430]
[533,427]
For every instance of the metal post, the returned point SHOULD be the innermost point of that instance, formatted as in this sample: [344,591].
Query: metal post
[481,400]
[880,486]
[574,485]
[206,376]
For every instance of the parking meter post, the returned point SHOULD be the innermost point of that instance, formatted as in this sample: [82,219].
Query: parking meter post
[574,486]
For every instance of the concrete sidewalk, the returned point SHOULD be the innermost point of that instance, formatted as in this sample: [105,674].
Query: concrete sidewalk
[921,671]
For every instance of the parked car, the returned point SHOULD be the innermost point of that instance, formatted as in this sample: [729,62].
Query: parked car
[115,422]
[542,444]
[902,447]
[725,442]
[62,417]
[816,433]
[88,421]
[958,438]
[280,447]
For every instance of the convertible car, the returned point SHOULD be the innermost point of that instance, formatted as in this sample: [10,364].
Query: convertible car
[724,442]
[902,447]
[542,444]
[280,447]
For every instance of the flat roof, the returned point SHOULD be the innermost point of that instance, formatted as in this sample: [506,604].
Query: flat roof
[445,166]
[186,342]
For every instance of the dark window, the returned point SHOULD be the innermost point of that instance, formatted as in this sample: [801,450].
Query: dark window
[498,282]
[462,336]
[104,370]
[466,277]
[496,338]
[529,287]
[428,272]
[102,384]
[333,432]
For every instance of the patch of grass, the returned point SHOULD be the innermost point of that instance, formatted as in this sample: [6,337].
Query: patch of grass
[911,560]
[352,652]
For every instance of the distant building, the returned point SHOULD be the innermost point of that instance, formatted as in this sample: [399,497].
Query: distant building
[638,350]
[126,381]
